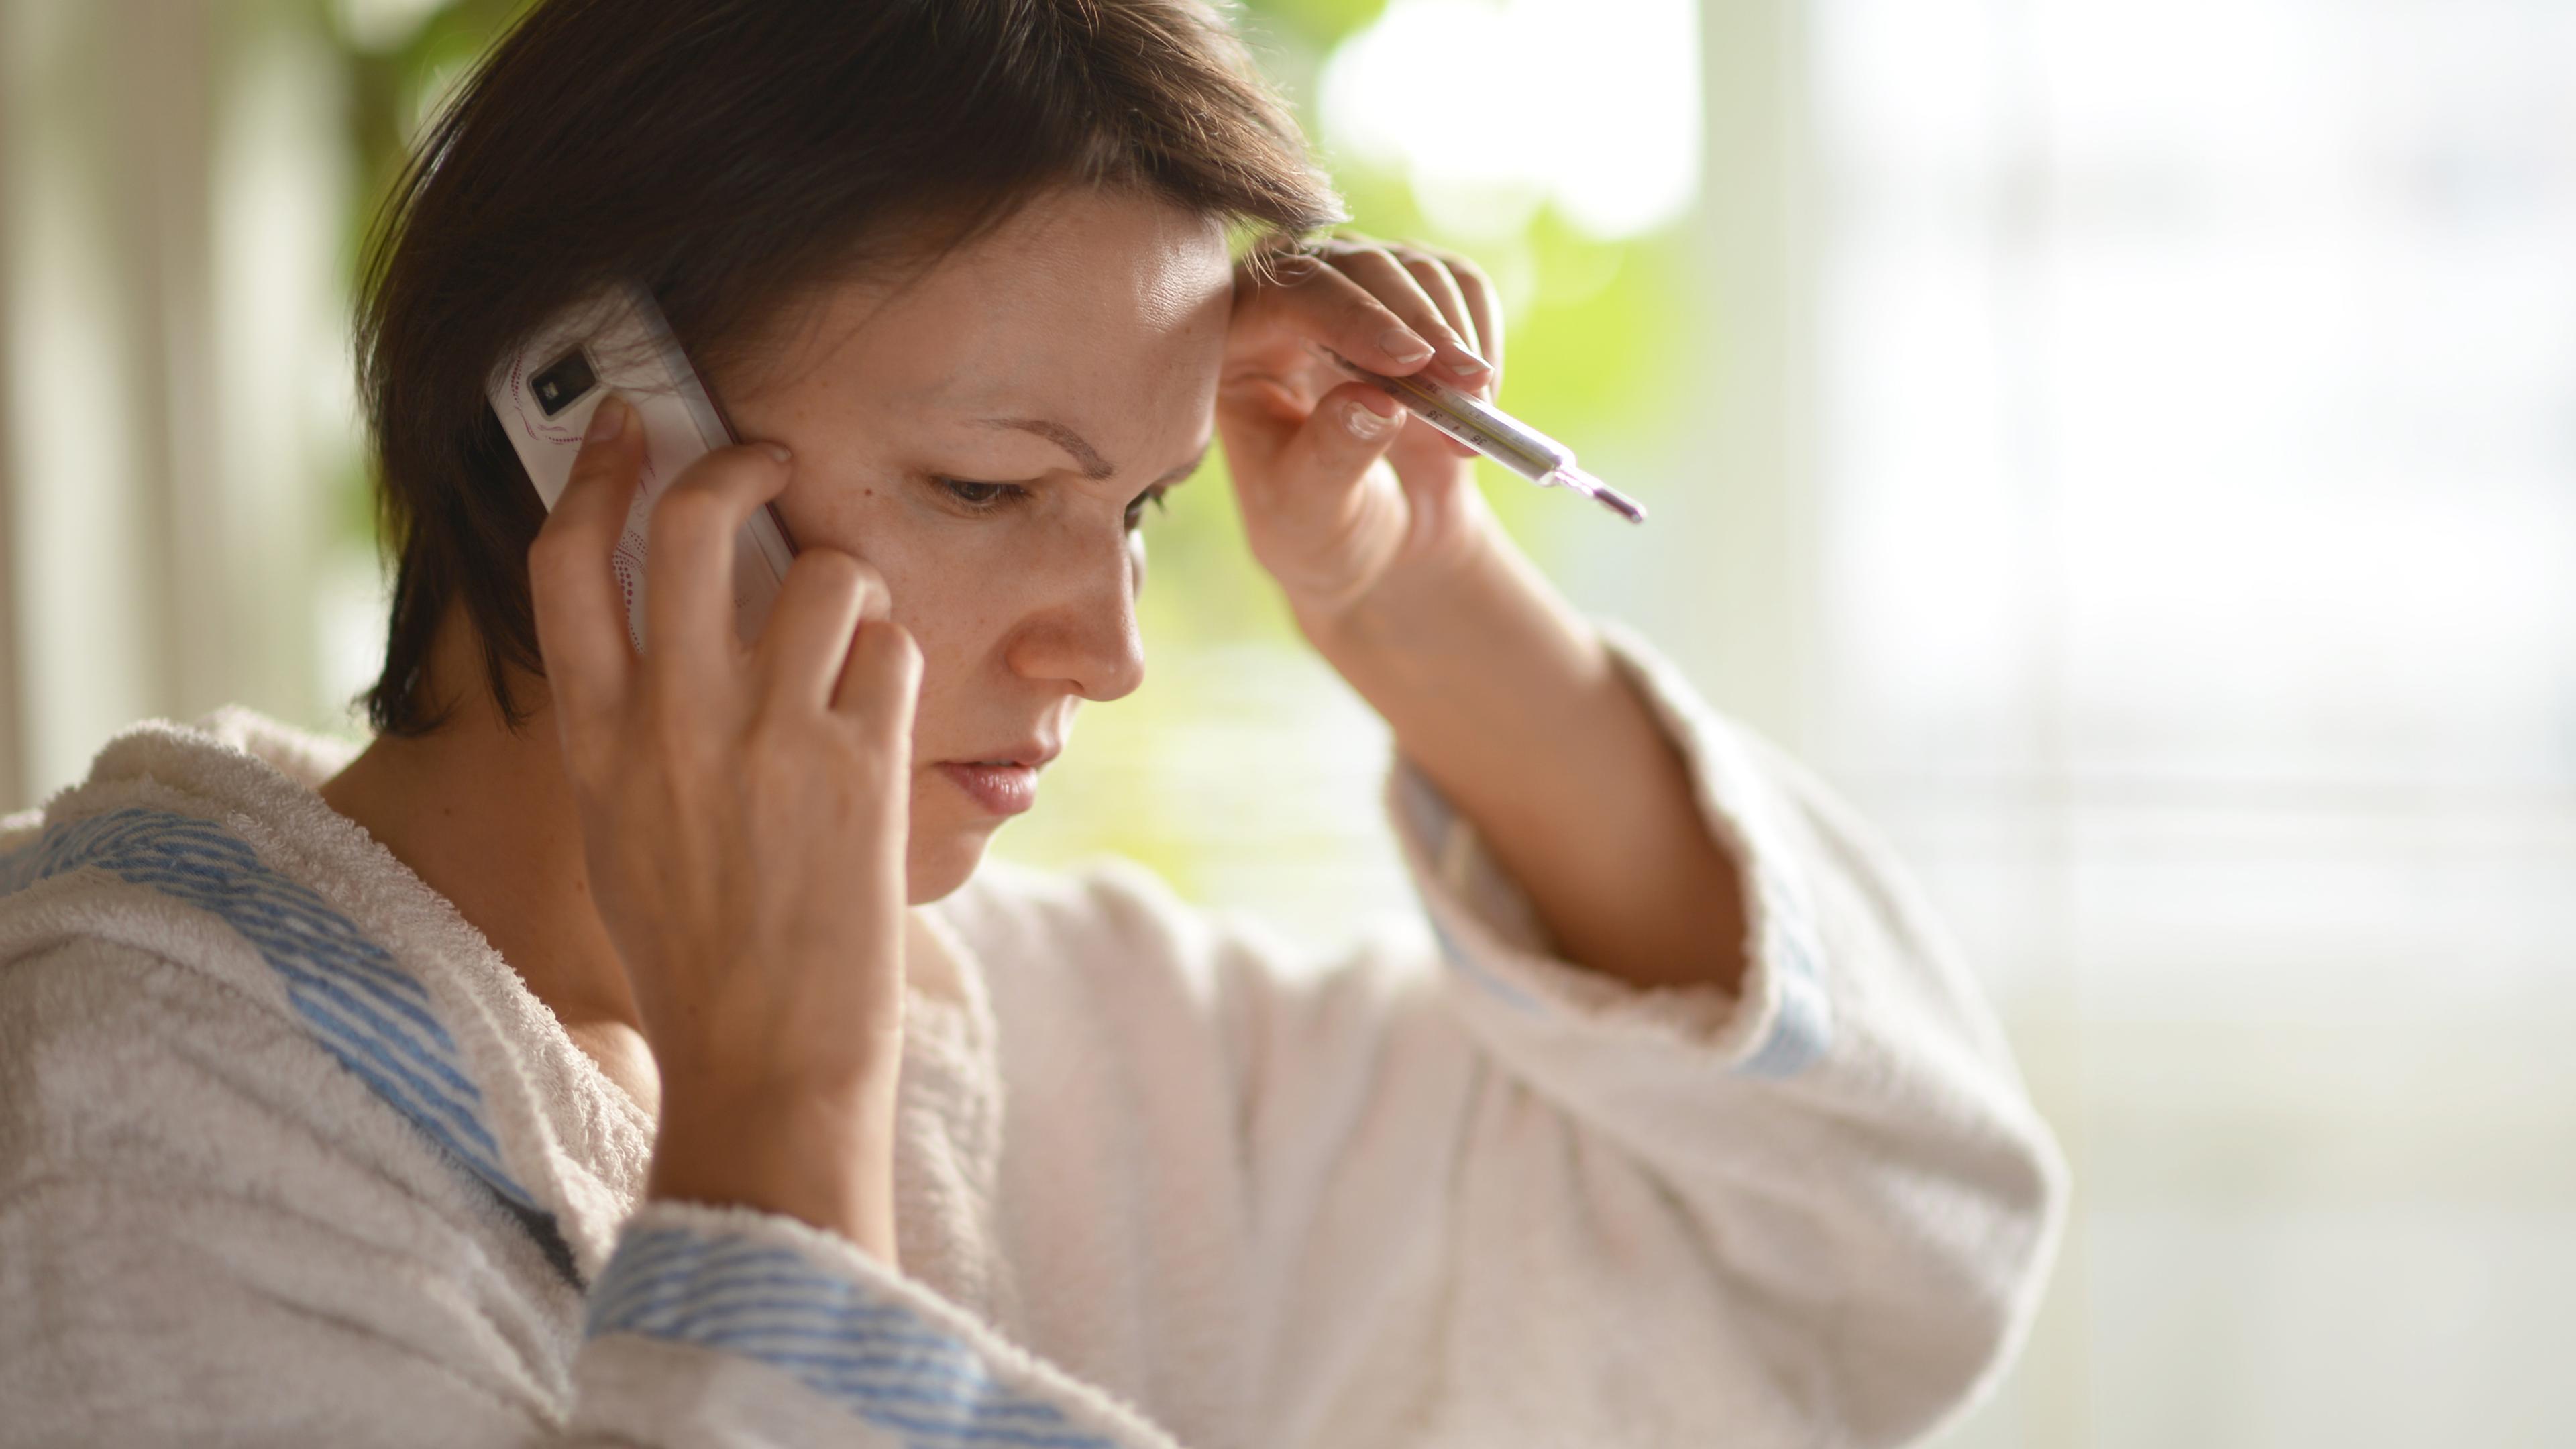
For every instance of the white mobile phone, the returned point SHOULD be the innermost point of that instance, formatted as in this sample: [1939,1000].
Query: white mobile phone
[618,341]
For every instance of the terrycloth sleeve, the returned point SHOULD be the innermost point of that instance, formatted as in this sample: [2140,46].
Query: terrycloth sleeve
[198,1246]
[1504,1199]
[733,1327]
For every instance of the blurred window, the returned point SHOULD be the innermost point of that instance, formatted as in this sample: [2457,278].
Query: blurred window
[2199,566]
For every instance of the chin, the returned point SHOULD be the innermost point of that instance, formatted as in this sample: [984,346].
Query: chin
[938,864]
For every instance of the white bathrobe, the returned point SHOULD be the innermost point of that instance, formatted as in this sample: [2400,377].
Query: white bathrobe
[290,1156]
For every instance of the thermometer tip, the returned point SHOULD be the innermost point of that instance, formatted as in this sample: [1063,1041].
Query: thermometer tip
[1569,476]
[1621,504]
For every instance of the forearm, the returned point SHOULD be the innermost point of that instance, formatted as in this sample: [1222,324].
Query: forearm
[1507,700]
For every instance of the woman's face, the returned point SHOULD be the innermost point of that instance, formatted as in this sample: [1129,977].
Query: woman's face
[984,436]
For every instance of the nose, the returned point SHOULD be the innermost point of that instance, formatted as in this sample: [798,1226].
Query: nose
[1080,624]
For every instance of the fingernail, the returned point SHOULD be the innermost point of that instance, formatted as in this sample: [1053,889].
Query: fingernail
[1367,422]
[778,451]
[1403,346]
[1465,363]
[607,420]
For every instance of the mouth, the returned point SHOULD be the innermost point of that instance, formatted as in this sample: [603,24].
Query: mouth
[1004,783]
[1016,762]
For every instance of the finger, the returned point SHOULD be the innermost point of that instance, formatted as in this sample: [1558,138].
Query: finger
[580,610]
[1351,427]
[1432,276]
[1482,306]
[1322,303]
[879,687]
[688,570]
[1391,282]
[807,640]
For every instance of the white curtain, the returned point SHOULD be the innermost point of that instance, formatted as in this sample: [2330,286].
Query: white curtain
[2197,520]
[173,188]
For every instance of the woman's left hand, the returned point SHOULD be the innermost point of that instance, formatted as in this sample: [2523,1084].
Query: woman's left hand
[1405,583]
[1341,489]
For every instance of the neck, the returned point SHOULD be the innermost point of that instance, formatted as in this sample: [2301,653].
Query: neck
[485,817]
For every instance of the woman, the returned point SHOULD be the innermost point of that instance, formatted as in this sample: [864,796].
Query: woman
[634,1048]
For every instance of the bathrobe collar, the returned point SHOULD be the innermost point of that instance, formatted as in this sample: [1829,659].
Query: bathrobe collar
[222,820]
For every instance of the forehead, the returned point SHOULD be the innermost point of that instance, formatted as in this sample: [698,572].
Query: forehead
[1103,310]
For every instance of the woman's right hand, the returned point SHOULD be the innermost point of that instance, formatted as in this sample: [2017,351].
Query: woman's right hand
[744,816]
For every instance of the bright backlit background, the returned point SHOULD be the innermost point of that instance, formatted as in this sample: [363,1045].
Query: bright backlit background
[2128,449]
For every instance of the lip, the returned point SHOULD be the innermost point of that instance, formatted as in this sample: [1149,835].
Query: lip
[1000,789]
[1029,754]
[1008,787]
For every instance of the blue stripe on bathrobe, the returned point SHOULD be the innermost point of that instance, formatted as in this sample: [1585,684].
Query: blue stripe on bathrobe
[875,1356]
[361,1006]
[1802,1023]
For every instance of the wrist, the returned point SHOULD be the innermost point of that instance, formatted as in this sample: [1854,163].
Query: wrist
[823,1156]
[1470,667]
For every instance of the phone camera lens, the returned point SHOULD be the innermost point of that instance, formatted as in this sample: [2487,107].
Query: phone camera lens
[564,382]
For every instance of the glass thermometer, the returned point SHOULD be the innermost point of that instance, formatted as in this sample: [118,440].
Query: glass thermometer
[1496,434]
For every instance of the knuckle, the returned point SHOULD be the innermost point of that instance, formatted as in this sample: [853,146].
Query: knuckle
[1293,269]
[893,659]
[1375,256]
[597,464]
[868,583]
[829,571]
[717,477]
[1367,309]
[742,466]
[903,658]
[876,597]
[685,510]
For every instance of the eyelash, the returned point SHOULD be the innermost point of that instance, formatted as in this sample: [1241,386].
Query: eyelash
[1007,492]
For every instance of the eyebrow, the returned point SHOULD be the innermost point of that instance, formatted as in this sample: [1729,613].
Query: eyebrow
[1094,466]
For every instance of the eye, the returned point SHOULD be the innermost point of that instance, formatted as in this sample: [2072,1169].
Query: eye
[980,497]
[1136,509]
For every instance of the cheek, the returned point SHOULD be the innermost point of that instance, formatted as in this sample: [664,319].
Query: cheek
[958,625]
[968,693]
[929,581]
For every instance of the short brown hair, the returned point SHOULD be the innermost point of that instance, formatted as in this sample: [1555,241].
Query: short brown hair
[728,155]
